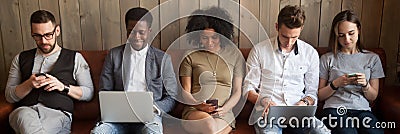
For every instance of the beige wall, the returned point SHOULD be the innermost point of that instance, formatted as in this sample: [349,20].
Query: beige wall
[99,24]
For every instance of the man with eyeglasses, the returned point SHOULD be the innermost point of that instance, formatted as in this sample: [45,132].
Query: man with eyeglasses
[44,81]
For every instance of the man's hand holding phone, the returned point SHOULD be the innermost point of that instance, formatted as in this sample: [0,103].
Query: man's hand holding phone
[41,74]
[47,81]
[37,80]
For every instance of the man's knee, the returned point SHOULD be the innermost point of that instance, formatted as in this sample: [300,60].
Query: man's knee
[103,128]
[25,119]
[154,127]
[22,113]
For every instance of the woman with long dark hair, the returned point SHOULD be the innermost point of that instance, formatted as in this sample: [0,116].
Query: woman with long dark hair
[349,78]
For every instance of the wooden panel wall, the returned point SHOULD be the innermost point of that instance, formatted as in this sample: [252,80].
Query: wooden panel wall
[11,36]
[100,25]
[111,24]
[331,8]
[71,25]
[90,24]
[248,24]
[390,39]
[311,26]
[26,8]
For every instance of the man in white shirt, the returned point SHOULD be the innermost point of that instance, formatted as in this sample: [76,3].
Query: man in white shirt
[284,70]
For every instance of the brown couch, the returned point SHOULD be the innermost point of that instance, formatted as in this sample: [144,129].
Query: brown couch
[87,113]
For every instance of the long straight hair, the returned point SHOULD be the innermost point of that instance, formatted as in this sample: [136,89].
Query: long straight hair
[349,16]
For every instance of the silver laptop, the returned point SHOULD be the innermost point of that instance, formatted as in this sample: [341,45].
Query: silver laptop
[290,113]
[120,106]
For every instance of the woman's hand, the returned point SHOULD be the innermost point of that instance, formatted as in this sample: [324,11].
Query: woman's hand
[208,108]
[343,80]
[221,111]
[361,80]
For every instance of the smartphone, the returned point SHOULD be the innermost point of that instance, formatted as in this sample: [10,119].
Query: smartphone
[41,74]
[213,102]
[351,75]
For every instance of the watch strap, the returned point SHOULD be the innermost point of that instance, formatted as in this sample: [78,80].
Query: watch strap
[333,86]
[66,89]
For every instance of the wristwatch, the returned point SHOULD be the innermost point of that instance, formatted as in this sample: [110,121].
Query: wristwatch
[66,89]
[305,101]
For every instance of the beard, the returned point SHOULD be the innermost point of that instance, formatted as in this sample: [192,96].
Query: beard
[43,50]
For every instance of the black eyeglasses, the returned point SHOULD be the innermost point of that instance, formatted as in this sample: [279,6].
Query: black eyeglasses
[47,36]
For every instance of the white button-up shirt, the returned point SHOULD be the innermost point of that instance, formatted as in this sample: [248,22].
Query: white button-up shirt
[285,78]
[137,72]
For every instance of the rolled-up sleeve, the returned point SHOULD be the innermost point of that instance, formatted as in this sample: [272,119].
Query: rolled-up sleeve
[311,77]
[253,76]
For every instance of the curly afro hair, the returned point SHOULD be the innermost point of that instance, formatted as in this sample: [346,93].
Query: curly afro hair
[212,18]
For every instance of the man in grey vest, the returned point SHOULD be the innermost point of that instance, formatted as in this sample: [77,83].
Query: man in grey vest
[44,81]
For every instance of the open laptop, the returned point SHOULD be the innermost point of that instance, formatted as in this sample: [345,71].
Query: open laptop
[295,114]
[128,107]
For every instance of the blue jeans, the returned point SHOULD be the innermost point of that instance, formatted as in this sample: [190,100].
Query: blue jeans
[346,124]
[315,128]
[153,127]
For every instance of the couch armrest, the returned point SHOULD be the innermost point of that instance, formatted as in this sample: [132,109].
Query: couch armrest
[5,110]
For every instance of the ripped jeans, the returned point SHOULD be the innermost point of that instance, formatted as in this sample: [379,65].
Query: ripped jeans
[153,127]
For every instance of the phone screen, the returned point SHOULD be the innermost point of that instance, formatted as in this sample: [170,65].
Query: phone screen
[41,74]
[352,75]
[213,102]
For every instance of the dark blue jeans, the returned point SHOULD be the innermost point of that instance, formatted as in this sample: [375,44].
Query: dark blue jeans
[351,122]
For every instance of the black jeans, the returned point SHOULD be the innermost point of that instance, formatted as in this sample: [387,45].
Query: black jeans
[351,122]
